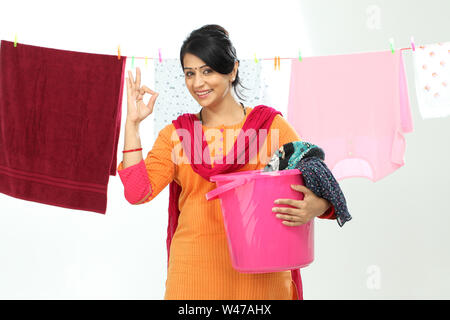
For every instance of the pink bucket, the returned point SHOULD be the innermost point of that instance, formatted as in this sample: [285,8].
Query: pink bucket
[257,240]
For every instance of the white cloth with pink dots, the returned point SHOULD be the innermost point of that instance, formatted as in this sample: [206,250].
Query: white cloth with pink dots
[432,78]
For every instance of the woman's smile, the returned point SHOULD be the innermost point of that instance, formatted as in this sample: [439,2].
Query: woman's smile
[203,94]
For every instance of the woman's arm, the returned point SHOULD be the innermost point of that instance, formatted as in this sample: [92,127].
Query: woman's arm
[302,211]
[321,208]
[132,141]
[144,180]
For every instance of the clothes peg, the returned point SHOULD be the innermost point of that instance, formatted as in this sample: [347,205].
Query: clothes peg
[118,53]
[15,41]
[275,63]
[145,61]
[256,60]
[278,62]
[299,56]
[391,42]
[132,62]
[412,44]
[159,51]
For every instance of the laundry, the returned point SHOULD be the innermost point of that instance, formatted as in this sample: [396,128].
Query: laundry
[174,98]
[308,158]
[356,107]
[60,114]
[275,84]
[432,78]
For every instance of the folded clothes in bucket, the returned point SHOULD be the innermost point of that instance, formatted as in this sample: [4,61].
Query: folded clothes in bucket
[308,158]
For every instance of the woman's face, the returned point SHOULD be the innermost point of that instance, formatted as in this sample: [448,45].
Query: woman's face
[207,86]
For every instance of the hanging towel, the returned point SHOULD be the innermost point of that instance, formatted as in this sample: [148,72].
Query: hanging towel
[60,114]
[308,158]
[174,98]
[432,77]
[356,107]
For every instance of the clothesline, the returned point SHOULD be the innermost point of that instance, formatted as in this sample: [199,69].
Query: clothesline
[258,59]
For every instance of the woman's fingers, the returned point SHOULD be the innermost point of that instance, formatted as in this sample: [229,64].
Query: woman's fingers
[152,100]
[148,90]
[131,79]
[129,92]
[128,86]
[138,77]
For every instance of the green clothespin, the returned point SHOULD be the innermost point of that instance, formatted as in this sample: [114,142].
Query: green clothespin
[256,60]
[15,40]
[391,42]
[132,62]
[299,56]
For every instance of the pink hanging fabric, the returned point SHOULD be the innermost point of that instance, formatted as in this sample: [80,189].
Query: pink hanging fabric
[356,108]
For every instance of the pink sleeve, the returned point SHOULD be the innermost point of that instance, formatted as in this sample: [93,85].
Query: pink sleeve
[135,181]
[145,180]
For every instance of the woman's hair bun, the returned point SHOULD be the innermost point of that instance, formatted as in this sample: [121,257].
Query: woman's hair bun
[215,27]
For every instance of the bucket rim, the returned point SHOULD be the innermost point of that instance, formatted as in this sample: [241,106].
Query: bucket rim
[252,174]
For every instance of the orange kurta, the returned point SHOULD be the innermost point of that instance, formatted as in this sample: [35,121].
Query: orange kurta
[199,263]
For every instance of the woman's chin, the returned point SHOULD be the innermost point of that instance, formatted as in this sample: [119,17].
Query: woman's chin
[204,103]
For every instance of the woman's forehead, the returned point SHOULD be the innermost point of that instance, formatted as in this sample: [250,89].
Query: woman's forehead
[193,62]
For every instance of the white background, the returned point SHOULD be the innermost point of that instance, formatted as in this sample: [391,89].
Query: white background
[397,245]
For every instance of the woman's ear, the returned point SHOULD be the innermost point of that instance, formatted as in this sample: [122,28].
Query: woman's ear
[234,72]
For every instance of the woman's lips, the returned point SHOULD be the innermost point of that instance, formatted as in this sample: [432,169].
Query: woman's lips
[203,95]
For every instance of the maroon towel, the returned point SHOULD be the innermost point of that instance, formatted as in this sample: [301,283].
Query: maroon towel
[60,114]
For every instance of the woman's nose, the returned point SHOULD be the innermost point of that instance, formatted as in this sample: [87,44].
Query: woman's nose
[198,81]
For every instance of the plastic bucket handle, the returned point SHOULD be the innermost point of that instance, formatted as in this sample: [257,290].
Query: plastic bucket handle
[213,194]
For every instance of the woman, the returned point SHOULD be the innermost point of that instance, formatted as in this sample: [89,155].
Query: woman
[199,266]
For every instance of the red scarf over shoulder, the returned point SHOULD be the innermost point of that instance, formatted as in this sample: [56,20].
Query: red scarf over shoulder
[188,126]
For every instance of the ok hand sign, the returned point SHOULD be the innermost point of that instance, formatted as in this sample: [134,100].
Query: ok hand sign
[137,110]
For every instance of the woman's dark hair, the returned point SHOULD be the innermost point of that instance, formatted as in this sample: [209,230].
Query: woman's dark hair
[212,44]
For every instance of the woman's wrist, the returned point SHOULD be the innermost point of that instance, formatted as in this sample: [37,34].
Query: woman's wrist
[132,124]
[327,205]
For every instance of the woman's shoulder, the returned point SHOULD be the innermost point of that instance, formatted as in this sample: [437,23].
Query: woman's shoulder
[167,134]
[286,129]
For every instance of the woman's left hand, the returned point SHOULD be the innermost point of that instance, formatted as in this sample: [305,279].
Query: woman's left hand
[304,210]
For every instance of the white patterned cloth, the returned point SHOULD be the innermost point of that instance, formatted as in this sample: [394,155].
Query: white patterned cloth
[276,84]
[432,78]
[174,98]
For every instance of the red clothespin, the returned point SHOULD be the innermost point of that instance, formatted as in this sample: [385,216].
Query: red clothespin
[412,44]
[159,52]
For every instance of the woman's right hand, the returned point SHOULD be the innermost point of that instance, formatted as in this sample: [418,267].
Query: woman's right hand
[137,110]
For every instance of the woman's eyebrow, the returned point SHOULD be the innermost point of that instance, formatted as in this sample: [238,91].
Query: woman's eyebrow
[194,68]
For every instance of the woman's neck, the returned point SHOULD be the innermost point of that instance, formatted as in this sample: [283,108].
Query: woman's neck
[226,115]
